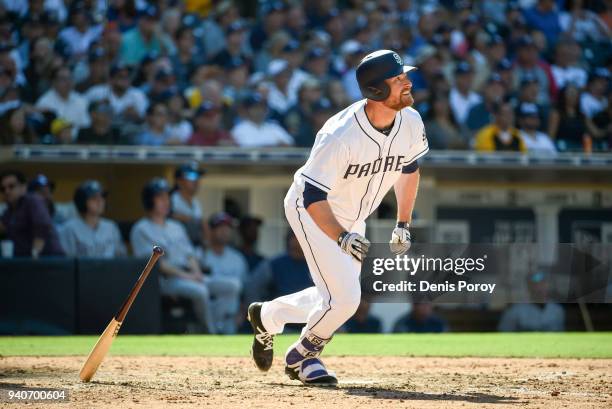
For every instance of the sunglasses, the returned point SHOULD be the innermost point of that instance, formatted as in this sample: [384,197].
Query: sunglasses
[7,188]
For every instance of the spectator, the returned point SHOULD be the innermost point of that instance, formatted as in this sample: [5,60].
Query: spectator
[281,275]
[322,110]
[89,234]
[362,322]
[602,123]
[179,128]
[461,97]
[500,135]
[421,319]
[15,128]
[254,130]
[64,102]
[441,127]
[317,64]
[529,123]
[583,25]
[567,125]
[97,70]
[228,272]
[528,92]
[101,131]
[279,99]
[42,64]
[185,207]
[208,130]
[60,213]
[249,234]
[225,13]
[566,68]
[187,57]
[544,17]
[143,39]
[42,186]
[181,274]
[353,52]
[26,220]
[155,132]
[594,99]
[237,72]
[292,53]
[235,37]
[481,114]
[274,18]
[297,121]
[61,132]
[81,34]
[542,315]
[129,103]
[529,64]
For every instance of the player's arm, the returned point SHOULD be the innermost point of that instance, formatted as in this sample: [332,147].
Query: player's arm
[406,189]
[317,206]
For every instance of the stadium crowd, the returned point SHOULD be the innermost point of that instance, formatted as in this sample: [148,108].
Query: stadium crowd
[516,75]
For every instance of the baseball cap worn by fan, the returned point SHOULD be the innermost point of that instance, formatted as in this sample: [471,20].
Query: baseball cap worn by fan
[39,181]
[189,171]
[220,219]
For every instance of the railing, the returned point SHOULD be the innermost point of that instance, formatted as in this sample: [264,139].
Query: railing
[285,156]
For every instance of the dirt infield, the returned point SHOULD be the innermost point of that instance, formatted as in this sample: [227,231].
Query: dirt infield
[190,382]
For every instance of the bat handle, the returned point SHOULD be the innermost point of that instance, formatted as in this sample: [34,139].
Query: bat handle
[157,253]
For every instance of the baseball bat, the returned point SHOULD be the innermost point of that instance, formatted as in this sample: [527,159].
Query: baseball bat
[105,341]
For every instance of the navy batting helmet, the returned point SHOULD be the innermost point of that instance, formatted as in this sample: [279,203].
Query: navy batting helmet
[84,192]
[154,187]
[375,68]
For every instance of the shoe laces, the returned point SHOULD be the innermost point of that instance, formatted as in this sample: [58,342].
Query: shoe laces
[265,338]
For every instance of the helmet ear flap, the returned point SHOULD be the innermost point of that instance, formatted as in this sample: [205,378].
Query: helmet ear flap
[378,92]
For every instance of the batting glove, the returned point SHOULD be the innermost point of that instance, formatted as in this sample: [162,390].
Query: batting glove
[354,244]
[400,239]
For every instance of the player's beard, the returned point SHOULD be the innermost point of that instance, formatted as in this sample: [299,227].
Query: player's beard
[401,102]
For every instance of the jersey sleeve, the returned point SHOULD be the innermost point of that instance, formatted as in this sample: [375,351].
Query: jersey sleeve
[419,142]
[327,159]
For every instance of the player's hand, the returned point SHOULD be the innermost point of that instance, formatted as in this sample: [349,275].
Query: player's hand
[400,239]
[354,244]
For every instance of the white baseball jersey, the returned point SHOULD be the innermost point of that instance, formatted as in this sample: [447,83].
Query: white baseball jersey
[355,164]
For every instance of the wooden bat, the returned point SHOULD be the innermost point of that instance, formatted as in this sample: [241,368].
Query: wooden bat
[105,341]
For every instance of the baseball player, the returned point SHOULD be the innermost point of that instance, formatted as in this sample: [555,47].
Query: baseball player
[358,155]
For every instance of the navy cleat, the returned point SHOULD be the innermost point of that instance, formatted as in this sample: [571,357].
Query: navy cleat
[312,371]
[262,349]
[302,362]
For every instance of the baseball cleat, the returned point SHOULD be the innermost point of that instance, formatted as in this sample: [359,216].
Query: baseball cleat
[262,349]
[311,372]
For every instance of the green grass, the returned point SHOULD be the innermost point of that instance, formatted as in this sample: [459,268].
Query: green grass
[544,345]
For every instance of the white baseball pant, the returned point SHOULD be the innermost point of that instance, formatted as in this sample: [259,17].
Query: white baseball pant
[337,291]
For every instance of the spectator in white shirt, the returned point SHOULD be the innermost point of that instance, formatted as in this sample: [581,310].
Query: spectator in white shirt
[254,130]
[461,97]
[279,98]
[128,102]
[81,34]
[64,102]
[566,68]
[529,123]
[595,100]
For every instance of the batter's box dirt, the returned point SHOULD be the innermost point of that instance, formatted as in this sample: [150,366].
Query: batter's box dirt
[365,382]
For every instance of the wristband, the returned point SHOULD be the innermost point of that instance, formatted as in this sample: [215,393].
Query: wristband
[341,237]
[402,225]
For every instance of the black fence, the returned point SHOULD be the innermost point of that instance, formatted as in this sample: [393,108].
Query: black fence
[75,296]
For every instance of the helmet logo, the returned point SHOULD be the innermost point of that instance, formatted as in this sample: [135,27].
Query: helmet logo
[397,58]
